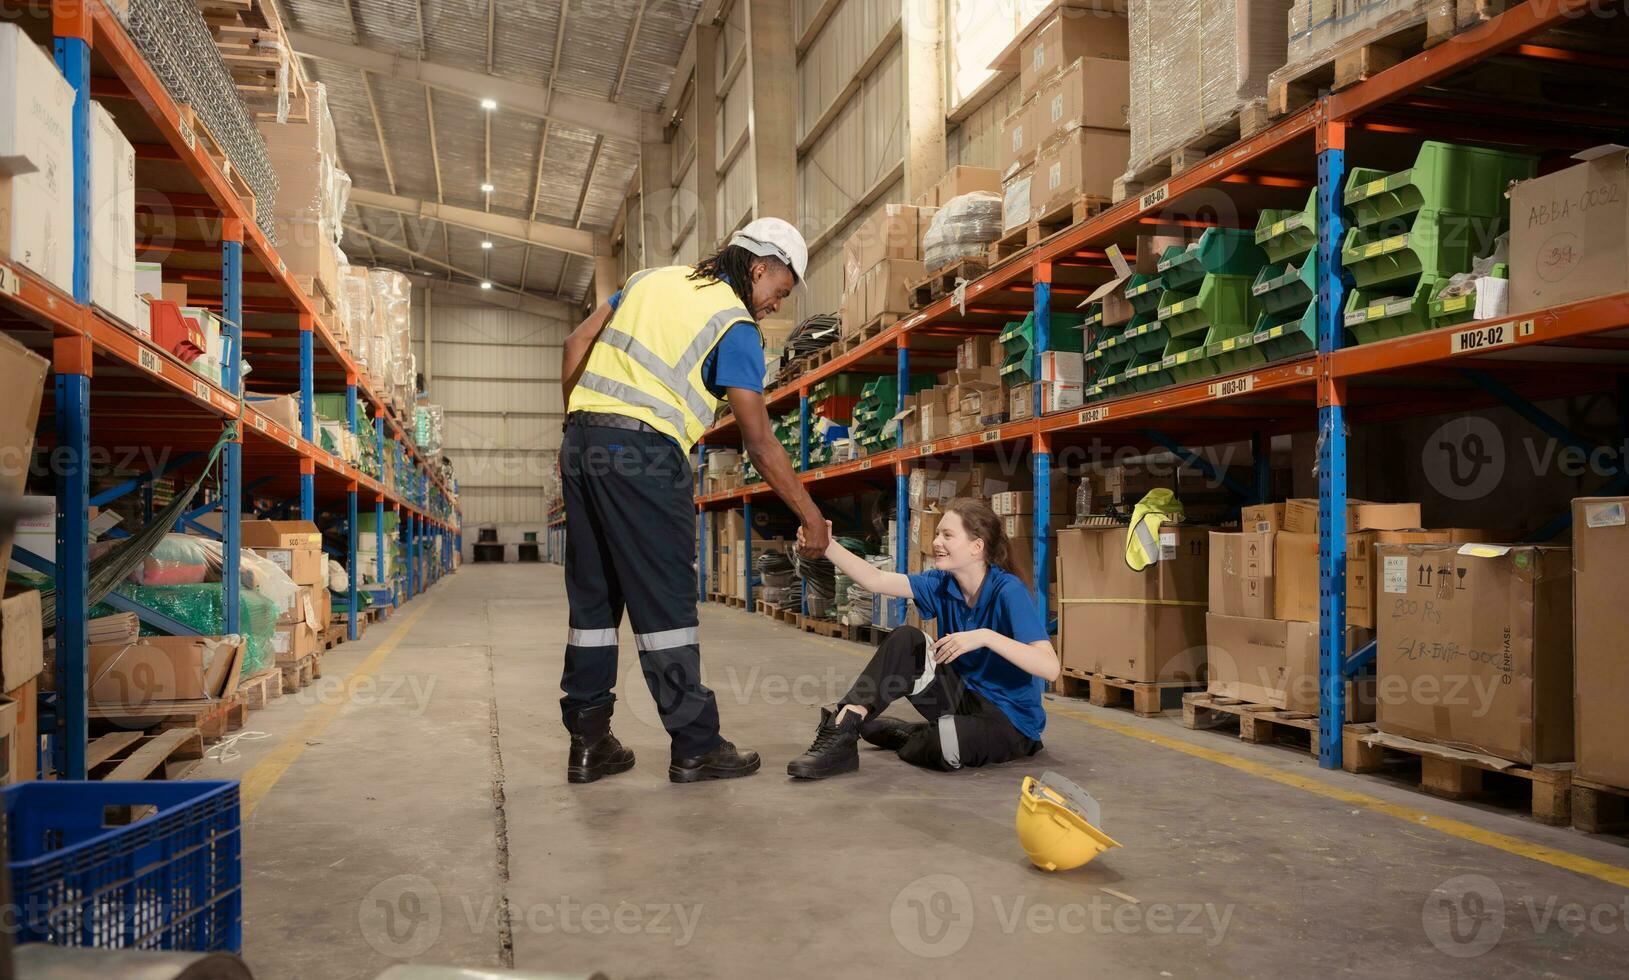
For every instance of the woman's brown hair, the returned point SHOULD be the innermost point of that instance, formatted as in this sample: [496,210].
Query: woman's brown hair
[980,522]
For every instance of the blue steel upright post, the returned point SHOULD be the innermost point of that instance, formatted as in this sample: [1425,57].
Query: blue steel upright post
[746,544]
[803,429]
[232,379]
[379,504]
[350,521]
[902,480]
[1261,454]
[1331,448]
[72,362]
[1040,454]
[308,424]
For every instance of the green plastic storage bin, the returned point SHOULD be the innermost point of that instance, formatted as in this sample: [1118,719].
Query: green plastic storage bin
[1283,290]
[1143,293]
[1287,235]
[1146,338]
[1445,177]
[1219,251]
[1279,341]
[1187,359]
[1233,354]
[1381,314]
[1223,301]
[1435,244]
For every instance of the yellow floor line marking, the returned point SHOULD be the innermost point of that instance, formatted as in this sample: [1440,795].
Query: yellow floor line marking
[1566,860]
[263,775]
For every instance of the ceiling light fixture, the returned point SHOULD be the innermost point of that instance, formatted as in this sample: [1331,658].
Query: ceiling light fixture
[486,244]
[489,104]
[486,285]
[487,188]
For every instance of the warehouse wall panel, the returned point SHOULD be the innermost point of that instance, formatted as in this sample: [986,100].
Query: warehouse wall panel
[838,52]
[732,116]
[735,194]
[977,141]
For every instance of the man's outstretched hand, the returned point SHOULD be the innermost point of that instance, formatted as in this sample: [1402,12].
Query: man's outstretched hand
[813,539]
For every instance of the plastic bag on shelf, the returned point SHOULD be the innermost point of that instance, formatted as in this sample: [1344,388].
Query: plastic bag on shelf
[962,229]
[178,559]
[1464,283]
[258,574]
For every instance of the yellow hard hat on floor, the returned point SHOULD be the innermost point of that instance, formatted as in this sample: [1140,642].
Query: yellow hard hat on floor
[1056,823]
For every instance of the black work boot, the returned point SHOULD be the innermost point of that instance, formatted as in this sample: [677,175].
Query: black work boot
[723,762]
[834,750]
[889,733]
[595,752]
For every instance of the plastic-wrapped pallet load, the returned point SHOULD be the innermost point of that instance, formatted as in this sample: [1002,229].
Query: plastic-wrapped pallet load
[1194,65]
[1317,27]
[313,193]
[962,229]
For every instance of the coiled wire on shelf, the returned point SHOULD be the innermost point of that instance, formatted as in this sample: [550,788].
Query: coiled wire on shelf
[819,575]
[778,580]
[813,334]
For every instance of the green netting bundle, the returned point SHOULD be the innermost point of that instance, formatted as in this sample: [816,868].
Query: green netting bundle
[199,606]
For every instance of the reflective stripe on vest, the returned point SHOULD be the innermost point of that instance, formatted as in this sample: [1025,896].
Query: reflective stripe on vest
[624,392]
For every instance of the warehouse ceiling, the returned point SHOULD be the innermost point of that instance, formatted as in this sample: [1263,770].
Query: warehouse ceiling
[575,82]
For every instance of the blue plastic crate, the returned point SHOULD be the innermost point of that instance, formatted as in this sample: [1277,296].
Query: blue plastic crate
[171,880]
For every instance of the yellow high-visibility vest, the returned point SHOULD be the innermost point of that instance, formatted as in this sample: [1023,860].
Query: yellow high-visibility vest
[1158,507]
[647,362]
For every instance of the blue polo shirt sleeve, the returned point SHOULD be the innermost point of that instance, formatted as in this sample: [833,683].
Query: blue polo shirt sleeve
[737,362]
[1018,618]
[615,300]
[926,590]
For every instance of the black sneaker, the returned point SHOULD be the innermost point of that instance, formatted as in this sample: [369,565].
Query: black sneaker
[595,752]
[889,733]
[834,750]
[724,762]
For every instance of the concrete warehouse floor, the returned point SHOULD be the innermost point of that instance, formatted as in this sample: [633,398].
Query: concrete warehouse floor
[422,813]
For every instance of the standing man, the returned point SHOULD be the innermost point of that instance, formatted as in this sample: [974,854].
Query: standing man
[643,378]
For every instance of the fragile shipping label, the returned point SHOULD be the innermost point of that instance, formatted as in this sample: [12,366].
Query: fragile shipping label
[1396,575]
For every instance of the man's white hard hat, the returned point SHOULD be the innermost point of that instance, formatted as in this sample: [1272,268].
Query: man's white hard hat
[776,239]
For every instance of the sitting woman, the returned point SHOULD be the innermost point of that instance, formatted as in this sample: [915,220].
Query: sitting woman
[979,685]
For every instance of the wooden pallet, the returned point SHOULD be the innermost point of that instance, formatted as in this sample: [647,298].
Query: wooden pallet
[1043,226]
[1145,697]
[821,627]
[239,28]
[262,688]
[718,597]
[213,718]
[170,754]
[331,637]
[735,601]
[1444,20]
[1262,724]
[848,342]
[1250,119]
[1353,60]
[943,281]
[866,633]
[321,296]
[1455,776]
[300,673]
[1599,808]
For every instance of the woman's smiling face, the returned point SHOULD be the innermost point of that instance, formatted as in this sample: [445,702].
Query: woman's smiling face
[953,548]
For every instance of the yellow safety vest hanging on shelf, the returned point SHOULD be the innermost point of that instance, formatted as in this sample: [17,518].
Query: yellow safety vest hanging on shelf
[1143,537]
[647,362]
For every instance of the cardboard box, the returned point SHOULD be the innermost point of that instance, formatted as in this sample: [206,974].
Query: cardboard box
[976,399]
[1020,402]
[963,180]
[22,378]
[1016,192]
[23,744]
[279,534]
[293,641]
[1569,233]
[303,565]
[1141,626]
[1070,34]
[1295,588]
[1301,516]
[888,286]
[113,218]
[1063,366]
[1262,517]
[1084,162]
[1018,138]
[1092,93]
[1476,649]
[891,232]
[1241,573]
[36,160]
[281,409]
[1275,662]
[164,668]
[972,354]
[1600,563]
[22,647]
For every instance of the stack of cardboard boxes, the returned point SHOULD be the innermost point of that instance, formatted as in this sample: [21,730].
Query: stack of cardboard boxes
[296,548]
[881,261]
[962,398]
[1600,566]
[1071,135]
[727,571]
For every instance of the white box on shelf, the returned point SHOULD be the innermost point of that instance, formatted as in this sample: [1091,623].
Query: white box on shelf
[113,219]
[36,160]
